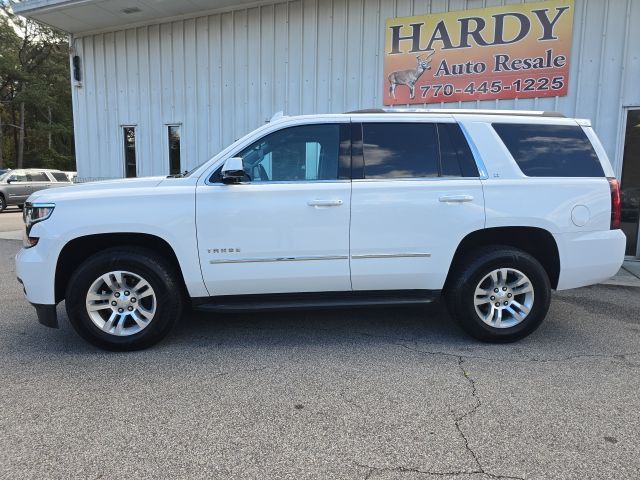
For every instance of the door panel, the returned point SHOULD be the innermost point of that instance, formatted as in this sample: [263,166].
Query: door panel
[286,227]
[419,194]
[404,232]
[267,238]
[18,190]
[38,181]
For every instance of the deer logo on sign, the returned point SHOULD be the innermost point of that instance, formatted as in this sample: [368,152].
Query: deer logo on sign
[409,77]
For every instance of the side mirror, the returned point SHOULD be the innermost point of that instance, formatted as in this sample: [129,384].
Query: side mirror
[10,180]
[233,171]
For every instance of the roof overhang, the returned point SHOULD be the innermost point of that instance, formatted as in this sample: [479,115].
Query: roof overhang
[89,16]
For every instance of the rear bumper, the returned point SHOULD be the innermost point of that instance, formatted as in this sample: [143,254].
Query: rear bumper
[589,258]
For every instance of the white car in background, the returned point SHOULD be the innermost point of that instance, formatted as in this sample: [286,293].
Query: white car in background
[491,209]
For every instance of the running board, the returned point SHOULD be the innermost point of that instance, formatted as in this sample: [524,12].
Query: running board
[308,301]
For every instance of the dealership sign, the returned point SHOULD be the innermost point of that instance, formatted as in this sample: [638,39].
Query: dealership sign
[515,51]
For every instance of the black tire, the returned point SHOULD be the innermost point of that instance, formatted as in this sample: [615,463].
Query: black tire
[160,274]
[471,269]
[3,204]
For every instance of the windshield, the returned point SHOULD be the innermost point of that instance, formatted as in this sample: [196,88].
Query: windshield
[4,176]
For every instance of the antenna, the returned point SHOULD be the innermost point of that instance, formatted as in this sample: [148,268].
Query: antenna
[277,116]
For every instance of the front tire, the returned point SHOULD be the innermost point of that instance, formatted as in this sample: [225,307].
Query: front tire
[3,204]
[124,299]
[499,294]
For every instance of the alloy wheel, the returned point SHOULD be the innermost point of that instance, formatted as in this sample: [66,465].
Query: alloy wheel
[121,303]
[504,298]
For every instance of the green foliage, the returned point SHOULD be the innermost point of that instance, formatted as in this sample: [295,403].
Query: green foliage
[34,79]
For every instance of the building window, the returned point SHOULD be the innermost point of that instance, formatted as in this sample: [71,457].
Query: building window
[174,149]
[129,134]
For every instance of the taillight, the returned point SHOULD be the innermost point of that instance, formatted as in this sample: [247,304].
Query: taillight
[615,203]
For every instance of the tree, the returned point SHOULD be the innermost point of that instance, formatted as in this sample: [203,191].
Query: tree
[36,124]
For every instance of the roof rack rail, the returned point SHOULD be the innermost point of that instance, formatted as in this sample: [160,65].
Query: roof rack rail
[450,111]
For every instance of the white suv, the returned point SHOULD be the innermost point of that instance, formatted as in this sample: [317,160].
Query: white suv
[493,209]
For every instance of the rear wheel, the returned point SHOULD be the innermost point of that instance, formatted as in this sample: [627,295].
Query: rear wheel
[499,294]
[3,204]
[124,299]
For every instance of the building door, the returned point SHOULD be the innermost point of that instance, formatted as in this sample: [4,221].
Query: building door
[630,182]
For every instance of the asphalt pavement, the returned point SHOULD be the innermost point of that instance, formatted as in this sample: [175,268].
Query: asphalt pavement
[384,393]
[10,220]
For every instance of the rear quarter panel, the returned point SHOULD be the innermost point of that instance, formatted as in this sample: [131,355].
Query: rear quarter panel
[575,210]
[513,199]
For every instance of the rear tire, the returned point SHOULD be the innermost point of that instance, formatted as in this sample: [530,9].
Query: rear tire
[498,294]
[124,298]
[3,204]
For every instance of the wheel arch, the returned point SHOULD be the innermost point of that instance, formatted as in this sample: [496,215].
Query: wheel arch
[79,249]
[537,242]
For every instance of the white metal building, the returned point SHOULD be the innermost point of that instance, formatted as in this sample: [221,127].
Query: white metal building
[164,82]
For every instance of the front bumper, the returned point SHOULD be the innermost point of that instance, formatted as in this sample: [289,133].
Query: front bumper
[36,269]
[47,314]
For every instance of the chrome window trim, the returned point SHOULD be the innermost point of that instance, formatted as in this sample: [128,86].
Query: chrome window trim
[273,182]
[366,256]
[414,179]
[278,259]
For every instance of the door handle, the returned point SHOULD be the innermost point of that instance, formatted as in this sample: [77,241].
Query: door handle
[456,198]
[324,203]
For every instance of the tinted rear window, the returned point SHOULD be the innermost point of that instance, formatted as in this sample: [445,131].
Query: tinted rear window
[416,150]
[37,177]
[550,150]
[400,150]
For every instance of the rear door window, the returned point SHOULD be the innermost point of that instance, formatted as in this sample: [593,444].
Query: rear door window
[415,150]
[550,150]
[38,177]
[60,177]
[400,150]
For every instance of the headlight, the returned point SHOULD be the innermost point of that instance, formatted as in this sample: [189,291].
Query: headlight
[32,214]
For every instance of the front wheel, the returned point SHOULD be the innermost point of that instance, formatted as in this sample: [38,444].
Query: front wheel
[499,294]
[124,299]
[3,204]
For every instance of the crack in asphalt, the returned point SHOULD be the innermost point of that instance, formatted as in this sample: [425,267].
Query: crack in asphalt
[479,470]
[477,403]
[452,473]
[348,401]
[615,356]
[396,341]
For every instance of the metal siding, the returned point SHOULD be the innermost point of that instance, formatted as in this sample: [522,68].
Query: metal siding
[222,75]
